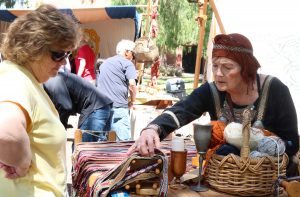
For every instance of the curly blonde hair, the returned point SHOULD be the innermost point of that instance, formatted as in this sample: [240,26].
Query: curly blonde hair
[31,36]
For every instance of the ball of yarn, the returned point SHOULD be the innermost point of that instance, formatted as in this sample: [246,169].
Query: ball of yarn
[255,153]
[233,134]
[269,145]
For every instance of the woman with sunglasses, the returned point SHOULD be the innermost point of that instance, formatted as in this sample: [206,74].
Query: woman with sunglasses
[32,139]
[238,86]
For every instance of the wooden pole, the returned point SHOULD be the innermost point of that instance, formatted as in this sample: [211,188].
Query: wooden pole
[217,16]
[77,136]
[146,30]
[201,22]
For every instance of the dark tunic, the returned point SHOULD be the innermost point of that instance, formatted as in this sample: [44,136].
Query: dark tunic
[72,94]
[280,113]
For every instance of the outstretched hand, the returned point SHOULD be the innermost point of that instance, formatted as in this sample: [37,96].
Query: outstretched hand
[146,143]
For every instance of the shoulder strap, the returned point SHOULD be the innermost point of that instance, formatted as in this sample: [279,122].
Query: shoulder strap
[264,97]
[216,97]
[262,103]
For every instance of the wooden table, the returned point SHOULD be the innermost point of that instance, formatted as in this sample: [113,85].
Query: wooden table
[159,100]
[210,193]
[189,193]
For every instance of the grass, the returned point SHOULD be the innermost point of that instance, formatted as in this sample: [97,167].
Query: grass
[161,82]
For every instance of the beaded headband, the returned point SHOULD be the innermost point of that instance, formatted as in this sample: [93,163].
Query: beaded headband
[230,48]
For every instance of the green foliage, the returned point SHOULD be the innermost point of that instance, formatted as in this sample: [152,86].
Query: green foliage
[176,20]
[131,2]
[176,24]
[8,3]
[11,3]
[207,29]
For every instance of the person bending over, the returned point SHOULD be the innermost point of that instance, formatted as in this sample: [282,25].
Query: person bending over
[72,94]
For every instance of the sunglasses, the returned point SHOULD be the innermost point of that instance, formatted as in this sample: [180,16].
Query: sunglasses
[59,56]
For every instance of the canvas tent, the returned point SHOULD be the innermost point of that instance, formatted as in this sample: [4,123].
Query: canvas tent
[108,25]
[273,28]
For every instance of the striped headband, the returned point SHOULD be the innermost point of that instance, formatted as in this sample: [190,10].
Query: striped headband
[231,48]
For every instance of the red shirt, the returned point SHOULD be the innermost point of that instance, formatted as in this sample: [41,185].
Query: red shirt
[87,53]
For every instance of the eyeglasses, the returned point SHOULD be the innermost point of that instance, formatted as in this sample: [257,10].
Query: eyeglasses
[59,56]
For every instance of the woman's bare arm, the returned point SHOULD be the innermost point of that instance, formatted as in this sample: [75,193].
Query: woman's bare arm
[15,154]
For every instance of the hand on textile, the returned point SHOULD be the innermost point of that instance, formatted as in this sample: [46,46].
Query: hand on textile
[12,172]
[146,143]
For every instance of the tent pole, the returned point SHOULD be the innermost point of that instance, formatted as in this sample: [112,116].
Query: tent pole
[146,30]
[201,23]
[217,16]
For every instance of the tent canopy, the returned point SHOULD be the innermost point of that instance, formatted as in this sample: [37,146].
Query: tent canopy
[107,25]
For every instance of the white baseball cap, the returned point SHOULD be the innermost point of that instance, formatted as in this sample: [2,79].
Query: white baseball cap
[124,45]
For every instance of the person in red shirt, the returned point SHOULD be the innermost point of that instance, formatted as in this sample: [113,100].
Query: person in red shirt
[85,61]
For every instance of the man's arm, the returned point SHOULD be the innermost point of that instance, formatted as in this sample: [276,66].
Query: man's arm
[132,92]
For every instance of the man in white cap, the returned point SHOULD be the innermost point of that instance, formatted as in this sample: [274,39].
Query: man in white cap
[117,76]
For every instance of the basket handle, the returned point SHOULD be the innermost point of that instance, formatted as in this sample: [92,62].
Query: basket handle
[245,150]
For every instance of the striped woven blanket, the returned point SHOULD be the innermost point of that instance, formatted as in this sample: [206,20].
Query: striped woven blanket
[115,171]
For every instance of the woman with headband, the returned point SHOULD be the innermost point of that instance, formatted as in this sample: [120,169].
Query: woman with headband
[238,86]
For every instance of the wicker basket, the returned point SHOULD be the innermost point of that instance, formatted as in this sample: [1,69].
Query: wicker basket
[298,160]
[145,50]
[245,176]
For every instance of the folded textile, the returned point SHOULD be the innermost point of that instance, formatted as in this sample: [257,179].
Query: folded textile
[103,159]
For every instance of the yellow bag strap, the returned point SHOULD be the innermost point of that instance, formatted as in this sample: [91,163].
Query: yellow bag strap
[264,97]
[216,97]
[262,103]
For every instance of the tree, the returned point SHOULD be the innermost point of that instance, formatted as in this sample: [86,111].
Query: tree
[13,3]
[176,21]
[8,3]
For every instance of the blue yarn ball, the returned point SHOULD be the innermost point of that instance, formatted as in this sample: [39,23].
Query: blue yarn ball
[255,154]
[269,145]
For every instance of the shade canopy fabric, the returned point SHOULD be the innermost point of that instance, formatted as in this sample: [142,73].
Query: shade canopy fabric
[110,24]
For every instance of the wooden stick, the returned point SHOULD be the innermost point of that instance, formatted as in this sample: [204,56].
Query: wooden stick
[202,23]
[148,18]
[217,16]
[157,171]
[77,136]
[112,136]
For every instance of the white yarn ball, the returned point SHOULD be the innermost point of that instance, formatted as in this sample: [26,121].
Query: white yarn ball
[233,134]
[269,145]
